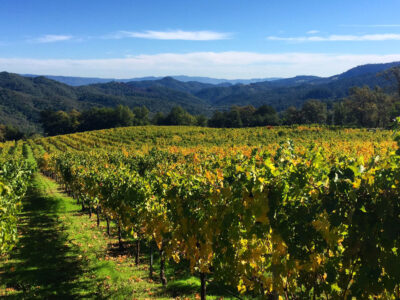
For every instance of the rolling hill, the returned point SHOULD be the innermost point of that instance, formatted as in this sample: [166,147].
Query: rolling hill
[294,91]
[23,97]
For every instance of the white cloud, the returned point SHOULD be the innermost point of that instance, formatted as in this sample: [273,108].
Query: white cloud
[213,64]
[339,38]
[312,32]
[52,38]
[172,35]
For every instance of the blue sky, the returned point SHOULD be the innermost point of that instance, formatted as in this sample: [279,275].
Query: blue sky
[215,38]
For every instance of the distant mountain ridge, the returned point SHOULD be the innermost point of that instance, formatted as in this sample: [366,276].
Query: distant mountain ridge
[23,97]
[283,93]
[78,81]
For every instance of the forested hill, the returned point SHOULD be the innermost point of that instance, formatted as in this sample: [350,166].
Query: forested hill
[22,98]
[295,91]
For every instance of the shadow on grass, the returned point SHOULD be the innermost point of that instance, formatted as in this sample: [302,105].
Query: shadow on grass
[183,287]
[114,250]
[182,283]
[189,285]
[43,265]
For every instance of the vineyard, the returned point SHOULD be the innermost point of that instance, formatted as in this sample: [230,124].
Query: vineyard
[299,212]
[17,168]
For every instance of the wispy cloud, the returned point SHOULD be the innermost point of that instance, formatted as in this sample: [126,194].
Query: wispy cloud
[312,32]
[339,38]
[172,35]
[214,64]
[52,38]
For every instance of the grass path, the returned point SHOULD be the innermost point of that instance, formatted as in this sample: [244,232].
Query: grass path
[62,254]
[43,265]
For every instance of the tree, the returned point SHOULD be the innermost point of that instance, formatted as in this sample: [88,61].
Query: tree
[56,122]
[340,113]
[9,133]
[74,116]
[217,120]
[246,114]
[141,116]
[201,120]
[98,118]
[292,116]
[123,116]
[369,108]
[179,116]
[265,115]
[314,112]
[233,119]
[158,119]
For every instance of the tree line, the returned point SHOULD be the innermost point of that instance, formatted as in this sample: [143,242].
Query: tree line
[9,133]
[62,122]
[364,107]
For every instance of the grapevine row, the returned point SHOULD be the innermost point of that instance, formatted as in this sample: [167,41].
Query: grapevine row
[296,223]
[17,166]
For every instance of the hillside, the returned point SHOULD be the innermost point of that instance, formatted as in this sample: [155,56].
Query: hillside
[22,98]
[294,91]
[191,87]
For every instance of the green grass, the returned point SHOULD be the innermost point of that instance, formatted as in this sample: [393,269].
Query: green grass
[62,254]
